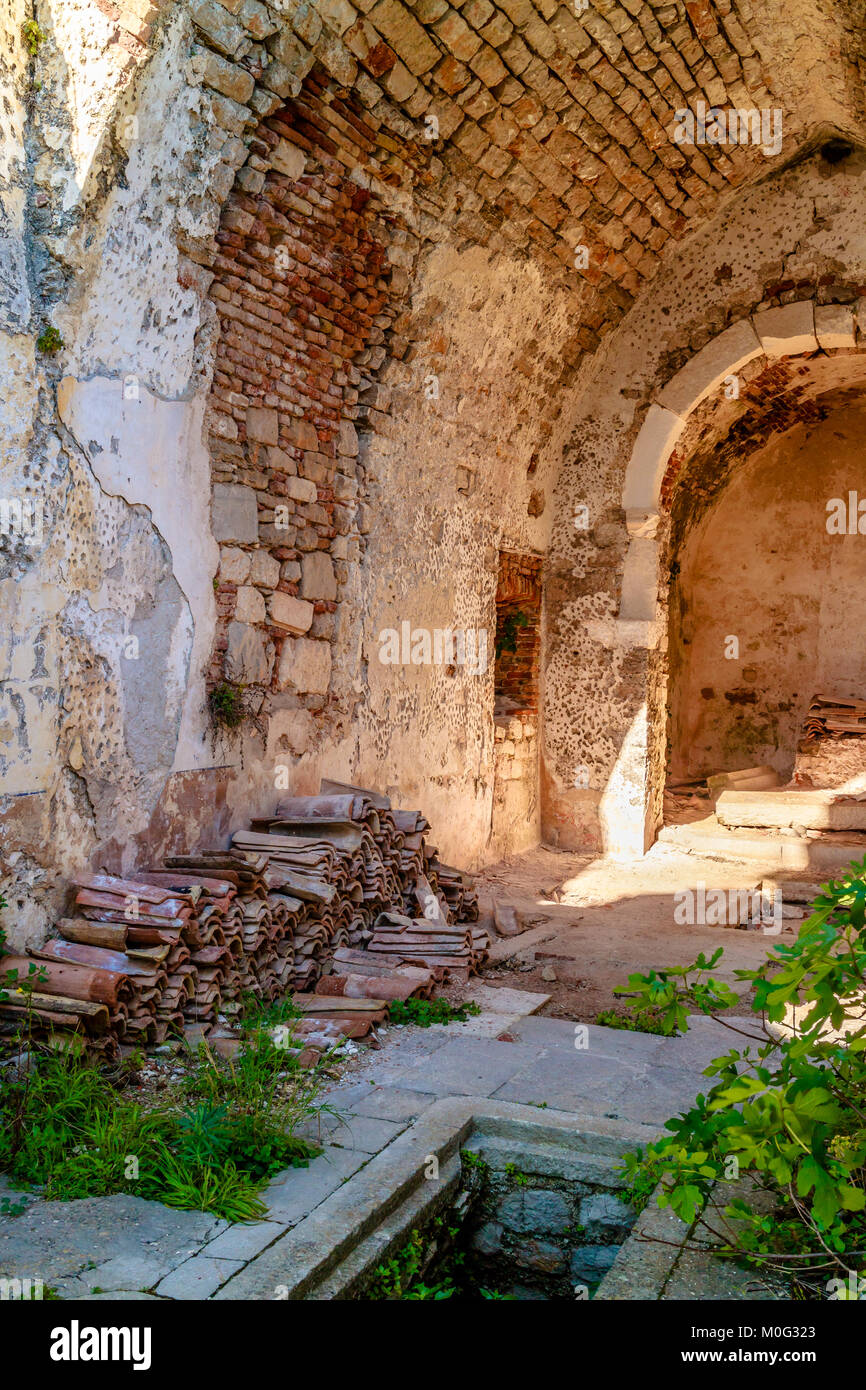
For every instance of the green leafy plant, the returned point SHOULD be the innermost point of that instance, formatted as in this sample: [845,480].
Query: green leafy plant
[670,994]
[49,340]
[506,636]
[258,1016]
[641,1021]
[227,705]
[425,1012]
[9,1207]
[472,1160]
[519,1179]
[32,36]
[788,1110]
[394,1276]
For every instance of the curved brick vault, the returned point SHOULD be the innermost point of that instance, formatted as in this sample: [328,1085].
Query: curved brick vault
[396,284]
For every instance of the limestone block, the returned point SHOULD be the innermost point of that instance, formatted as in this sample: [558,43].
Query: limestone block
[257,20]
[834,326]
[402,31]
[250,605]
[223,76]
[301,489]
[305,666]
[290,613]
[536,1210]
[704,373]
[291,731]
[281,80]
[288,159]
[263,425]
[345,489]
[249,657]
[234,565]
[265,570]
[317,576]
[589,1263]
[641,523]
[606,1218]
[287,50]
[337,14]
[347,439]
[306,21]
[303,435]
[338,61]
[399,82]
[653,447]
[631,633]
[787,331]
[234,513]
[224,33]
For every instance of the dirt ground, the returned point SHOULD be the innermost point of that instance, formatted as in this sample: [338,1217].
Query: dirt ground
[607,920]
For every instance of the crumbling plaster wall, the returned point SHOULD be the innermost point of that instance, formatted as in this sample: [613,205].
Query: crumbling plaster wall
[108,755]
[108,613]
[798,234]
[761,566]
[458,478]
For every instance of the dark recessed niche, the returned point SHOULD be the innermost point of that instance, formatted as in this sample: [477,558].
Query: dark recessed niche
[834,151]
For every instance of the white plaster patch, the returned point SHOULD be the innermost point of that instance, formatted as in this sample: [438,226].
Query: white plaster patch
[150,452]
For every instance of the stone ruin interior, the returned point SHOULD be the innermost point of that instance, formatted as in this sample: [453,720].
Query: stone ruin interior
[393,396]
[329,367]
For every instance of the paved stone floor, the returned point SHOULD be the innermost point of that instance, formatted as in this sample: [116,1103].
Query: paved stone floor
[124,1247]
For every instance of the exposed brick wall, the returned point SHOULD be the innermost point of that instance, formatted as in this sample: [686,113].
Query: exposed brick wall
[303,290]
[773,399]
[518,592]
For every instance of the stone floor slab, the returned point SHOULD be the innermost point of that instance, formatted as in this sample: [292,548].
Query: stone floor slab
[366,1134]
[244,1241]
[197,1278]
[572,1081]
[468,1067]
[110,1242]
[292,1195]
[390,1103]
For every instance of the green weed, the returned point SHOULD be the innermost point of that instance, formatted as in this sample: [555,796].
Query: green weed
[426,1012]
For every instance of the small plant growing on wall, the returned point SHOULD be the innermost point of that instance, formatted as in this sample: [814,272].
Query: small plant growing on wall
[32,36]
[506,637]
[49,340]
[226,704]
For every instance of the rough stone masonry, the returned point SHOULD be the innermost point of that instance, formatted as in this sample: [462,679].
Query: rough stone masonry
[310,312]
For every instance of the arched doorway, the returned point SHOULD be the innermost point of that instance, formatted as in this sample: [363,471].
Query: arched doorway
[734,432]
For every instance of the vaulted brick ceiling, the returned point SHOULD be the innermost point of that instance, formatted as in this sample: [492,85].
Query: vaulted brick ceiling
[555,126]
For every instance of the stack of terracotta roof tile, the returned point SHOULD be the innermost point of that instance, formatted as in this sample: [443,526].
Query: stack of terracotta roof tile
[294,901]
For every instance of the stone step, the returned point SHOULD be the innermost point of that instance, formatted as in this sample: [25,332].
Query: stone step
[813,810]
[774,851]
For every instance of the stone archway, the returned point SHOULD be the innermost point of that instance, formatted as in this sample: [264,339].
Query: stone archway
[801,328]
